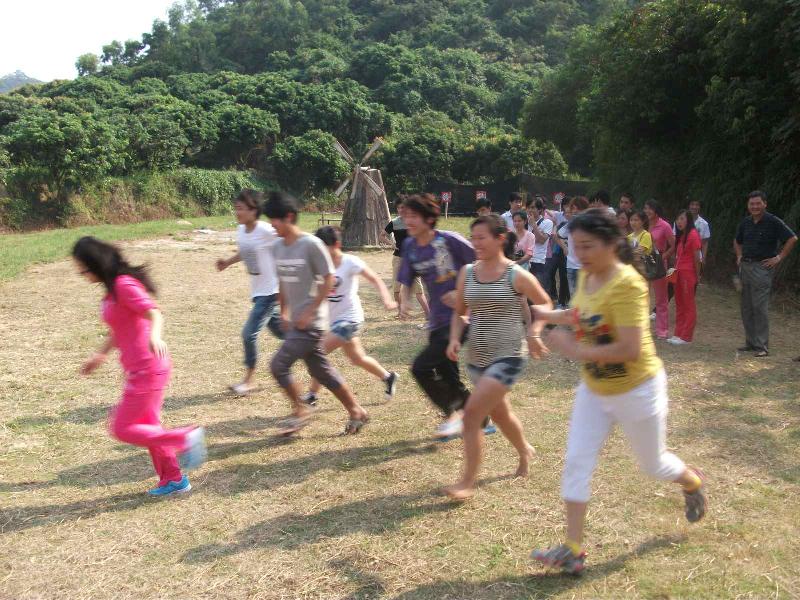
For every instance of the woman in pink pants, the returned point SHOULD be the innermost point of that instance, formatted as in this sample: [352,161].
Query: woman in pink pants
[664,240]
[135,324]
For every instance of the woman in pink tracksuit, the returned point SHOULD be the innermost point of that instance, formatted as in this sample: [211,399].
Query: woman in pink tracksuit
[135,324]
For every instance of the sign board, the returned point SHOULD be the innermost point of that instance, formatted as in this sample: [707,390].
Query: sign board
[447,197]
[558,197]
[480,194]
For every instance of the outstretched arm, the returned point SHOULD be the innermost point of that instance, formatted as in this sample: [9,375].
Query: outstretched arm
[378,284]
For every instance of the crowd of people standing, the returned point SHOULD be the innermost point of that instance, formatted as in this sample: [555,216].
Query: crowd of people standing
[570,278]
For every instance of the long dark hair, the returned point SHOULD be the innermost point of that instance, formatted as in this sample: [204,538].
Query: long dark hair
[682,236]
[599,223]
[106,263]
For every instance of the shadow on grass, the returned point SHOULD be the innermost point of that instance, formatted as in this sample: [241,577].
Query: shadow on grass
[136,466]
[542,585]
[252,477]
[372,516]
[27,517]
[95,413]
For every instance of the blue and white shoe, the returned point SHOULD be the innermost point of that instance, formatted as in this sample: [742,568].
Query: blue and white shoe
[173,488]
[449,430]
[195,453]
[489,429]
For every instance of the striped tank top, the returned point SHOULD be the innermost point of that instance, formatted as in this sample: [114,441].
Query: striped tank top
[496,328]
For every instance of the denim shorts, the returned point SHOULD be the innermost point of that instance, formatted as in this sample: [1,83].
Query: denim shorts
[505,370]
[346,330]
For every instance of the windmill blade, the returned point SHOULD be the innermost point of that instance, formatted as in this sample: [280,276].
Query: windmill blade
[357,177]
[371,182]
[342,187]
[375,145]
[344,153]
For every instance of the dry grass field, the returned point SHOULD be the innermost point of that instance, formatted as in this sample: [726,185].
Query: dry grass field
[325,516]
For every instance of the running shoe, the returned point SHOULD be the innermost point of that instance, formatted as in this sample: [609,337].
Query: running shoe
[172,488]
[696,502]
[309,398]
[449,430]
[489,428]
[561,557]
[676,341]
[195,453]
[391,385]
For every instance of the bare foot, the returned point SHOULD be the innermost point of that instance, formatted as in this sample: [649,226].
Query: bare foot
[459,491]
[524,461]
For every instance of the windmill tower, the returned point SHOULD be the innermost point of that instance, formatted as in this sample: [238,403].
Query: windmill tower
[366,211]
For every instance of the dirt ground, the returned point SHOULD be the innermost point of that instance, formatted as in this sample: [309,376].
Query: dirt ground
[326,516]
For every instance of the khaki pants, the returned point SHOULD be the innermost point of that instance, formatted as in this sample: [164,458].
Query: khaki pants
[396,262]
[756,288]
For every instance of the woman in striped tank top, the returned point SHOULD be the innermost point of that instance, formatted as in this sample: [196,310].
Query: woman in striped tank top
[495,291]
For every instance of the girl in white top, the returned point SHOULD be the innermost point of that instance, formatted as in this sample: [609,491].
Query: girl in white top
[255,239]
[347,315]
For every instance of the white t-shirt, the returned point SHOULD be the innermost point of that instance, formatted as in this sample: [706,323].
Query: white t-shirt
[255,250]
[540,251]
[343,301]
[572,260]
[508,217]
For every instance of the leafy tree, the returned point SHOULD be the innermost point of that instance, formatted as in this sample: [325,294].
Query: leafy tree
[242,129]
[308,163]
[87,64]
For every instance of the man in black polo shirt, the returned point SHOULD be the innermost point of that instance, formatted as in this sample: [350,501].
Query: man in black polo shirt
[757,242]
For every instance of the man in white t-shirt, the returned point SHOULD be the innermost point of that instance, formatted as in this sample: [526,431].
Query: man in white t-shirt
[514,205]
[542,229]
[602,199]
[702,227]
[255,238]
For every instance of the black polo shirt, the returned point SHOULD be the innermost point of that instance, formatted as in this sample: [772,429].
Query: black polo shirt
[763,239]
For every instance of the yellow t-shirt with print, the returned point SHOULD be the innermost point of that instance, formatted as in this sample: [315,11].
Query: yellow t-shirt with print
[622,302]
[643,239]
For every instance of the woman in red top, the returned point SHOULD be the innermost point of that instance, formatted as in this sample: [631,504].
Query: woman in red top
[135,323]
[687,265]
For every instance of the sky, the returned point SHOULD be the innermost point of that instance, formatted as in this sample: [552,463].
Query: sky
[43,38]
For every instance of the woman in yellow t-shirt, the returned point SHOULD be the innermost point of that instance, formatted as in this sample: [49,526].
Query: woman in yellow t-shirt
[623,381]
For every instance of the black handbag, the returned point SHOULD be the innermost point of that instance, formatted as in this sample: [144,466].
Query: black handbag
[653,265]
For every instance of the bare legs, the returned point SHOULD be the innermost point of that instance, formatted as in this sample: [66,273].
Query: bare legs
[489,398]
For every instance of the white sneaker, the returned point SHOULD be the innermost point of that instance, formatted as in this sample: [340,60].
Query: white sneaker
[676,341]
[242,389]
[652,316]
[450,429]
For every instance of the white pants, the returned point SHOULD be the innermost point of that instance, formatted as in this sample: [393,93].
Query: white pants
[642,412]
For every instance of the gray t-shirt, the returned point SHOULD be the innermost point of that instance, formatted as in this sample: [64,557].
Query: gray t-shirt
[300,267]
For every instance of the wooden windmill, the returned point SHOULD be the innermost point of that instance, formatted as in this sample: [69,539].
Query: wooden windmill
[366,211]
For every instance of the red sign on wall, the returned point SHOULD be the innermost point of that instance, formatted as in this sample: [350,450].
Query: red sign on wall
[480,194]
[447,197]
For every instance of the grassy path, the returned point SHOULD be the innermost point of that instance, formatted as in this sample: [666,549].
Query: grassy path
[332,517]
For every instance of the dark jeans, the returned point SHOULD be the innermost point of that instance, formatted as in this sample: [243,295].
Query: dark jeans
[305,345]
[560,272]
[544,274]
[265,311]
[437,375]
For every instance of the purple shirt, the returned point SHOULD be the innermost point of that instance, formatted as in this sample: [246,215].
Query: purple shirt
[438,265]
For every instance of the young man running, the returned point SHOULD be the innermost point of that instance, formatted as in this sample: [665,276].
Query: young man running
[436,256]
[306,277]
[397,228]
[346,313]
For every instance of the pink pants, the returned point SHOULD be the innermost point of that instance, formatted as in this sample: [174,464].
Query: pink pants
[662,307]
[137,420]
[685,306]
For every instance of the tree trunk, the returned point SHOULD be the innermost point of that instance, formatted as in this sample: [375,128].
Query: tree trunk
[366,214]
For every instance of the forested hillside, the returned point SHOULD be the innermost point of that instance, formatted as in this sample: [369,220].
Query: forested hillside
[267,85]
[15,80]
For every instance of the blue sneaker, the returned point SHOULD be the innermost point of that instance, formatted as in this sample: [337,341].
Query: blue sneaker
[171,488]
[489,429]
[195,453]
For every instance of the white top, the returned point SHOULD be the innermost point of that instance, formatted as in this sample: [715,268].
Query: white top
[343,301]
[540,250]
[508,217]
[255,250]
[572,260]
[702,227]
